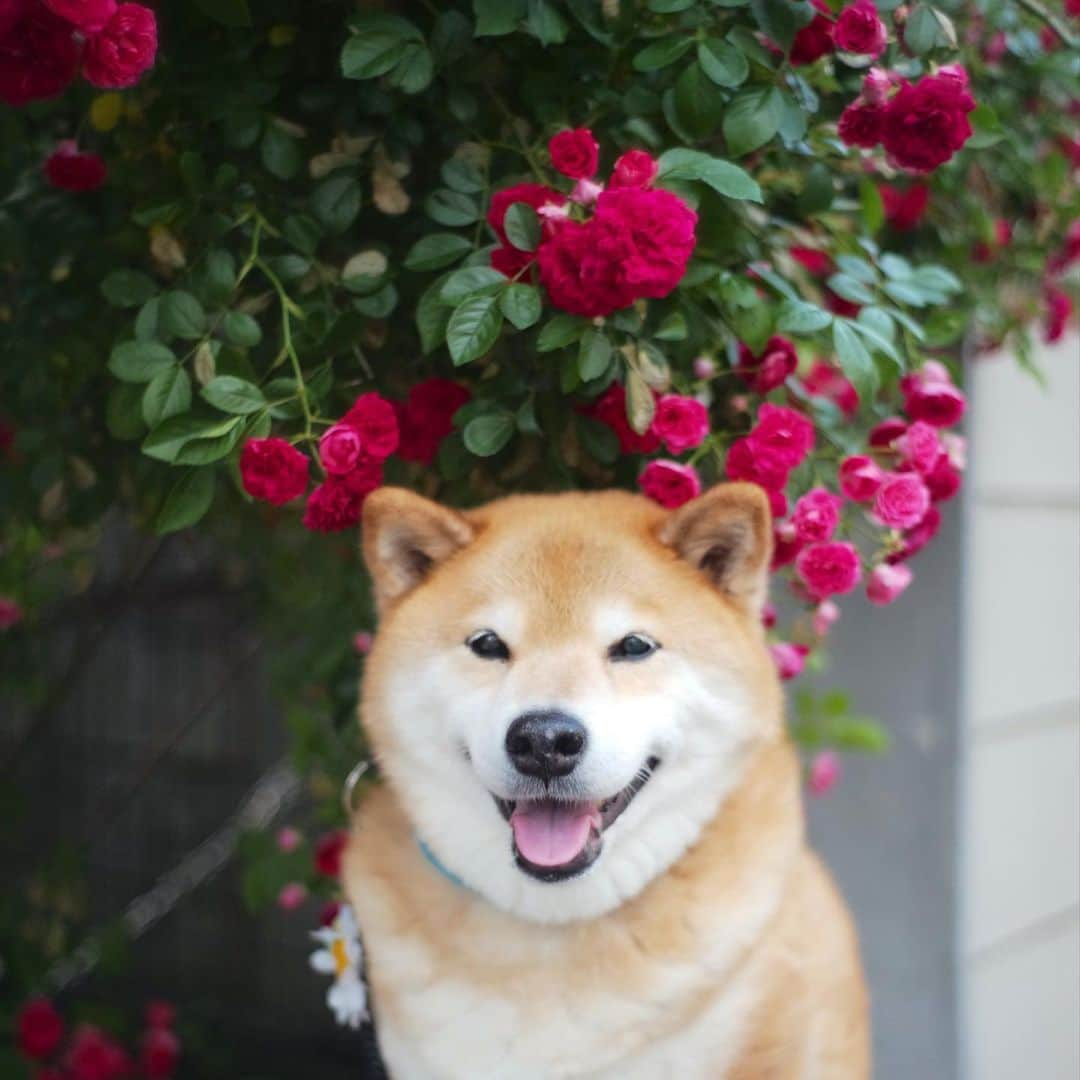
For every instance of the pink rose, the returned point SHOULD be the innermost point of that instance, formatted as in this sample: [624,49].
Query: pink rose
[288,839]
[125,48]
[272,470]
[1059,309]
[704,367]
[586,192]
[886,582]
[789,658]
[292,896]
[681,422]
[159,1054]
[768,615]
[824,773]
[902,500]
[860,477]
[828,569]
[340,449]
[784,432]
[919,447]
[826,615]
[769,368]
[943,481]
[88,15]
[362,641]
[749,460]
[575,153]
[824,380]
[669,483]
[635,169]
[884,434]
[861,124]
[10,613]
[38,1028]
[926,123]
[859,30]
[930,395]
[876,86]
[786,544]
[816,516]
[916,539]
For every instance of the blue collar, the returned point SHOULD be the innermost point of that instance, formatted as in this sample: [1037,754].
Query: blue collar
[434,862]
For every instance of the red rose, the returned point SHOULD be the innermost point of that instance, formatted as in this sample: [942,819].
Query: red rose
[1058,312]
[816,516]
[636,169]
[884,434]
[610,409]
[338,503]
[328,851]
[862,124]
[785,432]
[94,1056]
[1063,259]
[669,483]
[38,1029]
[88,15]
[920,447]
[340,449]
[926,123]
[814,40]
[786,545]
[11,613]
[575,153]
[506,258]
[860,478]
[902,500]
[10,13]
[329,913]
[839,306]
[38,57]
[123,50]
[904,209]
[272,470]
[748,460]
[859,30]
[771,367]
[828,569]
[816,262]
[374,419]
[427,417]
[159,1014]
[824,380]
[72,170]
[916,539]
[160,1054]
[681,422]
[943,481]
[930,395]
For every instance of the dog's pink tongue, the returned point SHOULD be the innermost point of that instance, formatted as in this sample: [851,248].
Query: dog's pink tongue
[551,833]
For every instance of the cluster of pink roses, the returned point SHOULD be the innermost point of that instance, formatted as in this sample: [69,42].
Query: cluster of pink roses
[352,453]
[920,125]
[635,244]
[91,1054]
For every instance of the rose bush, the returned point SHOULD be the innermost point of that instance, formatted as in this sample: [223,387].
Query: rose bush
[260,259]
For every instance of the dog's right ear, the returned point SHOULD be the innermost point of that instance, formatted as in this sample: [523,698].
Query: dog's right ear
[404,537]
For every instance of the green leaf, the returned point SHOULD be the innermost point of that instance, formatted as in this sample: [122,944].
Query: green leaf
[855,361]
[521,305]
[752,119]
[187,502]
[560,331]
[435,251]
[226,12]
[781,20]
[471,281]
[451,208]
[280,153]
[140,361]
[722,176]
[722,62]
[167,394]
[988,128]
[673,328]
[699,102]
[522,225]
[799,317]
[182,315]
[463,176]
[336,202]
[432,317]
[377,45]
[207,451]
[123,411]
[241,329]
[872,205]
[219,276]
[858,268]
[147,321]
[233,395]
[497,17]
[379,304]
[127,288]
[414,71]
[925,30]
[545,23]
[473,328]
[594,354]
[598,440]
[662,53]
[848,288]
[488,434]
[167,440]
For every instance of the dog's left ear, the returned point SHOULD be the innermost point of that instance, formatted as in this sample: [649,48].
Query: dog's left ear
[405,536]
[727,534]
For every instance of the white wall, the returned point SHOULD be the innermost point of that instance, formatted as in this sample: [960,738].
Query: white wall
[1020,806]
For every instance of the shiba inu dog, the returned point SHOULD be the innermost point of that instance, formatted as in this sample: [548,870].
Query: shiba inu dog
[588,858]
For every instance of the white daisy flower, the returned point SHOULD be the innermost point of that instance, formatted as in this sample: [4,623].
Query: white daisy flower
[342,957]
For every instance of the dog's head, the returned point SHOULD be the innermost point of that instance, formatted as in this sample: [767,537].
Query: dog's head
[564,688]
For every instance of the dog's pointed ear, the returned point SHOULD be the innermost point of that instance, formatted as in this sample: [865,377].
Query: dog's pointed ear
[405,536]
[727,535]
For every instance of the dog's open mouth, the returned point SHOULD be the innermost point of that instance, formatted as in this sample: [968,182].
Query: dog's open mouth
[557,839]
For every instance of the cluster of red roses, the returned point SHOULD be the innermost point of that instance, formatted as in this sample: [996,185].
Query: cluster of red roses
[635,244]
[90,1053]
[920,125]
[858,30]
[43,45]
[326,863]
[352,453]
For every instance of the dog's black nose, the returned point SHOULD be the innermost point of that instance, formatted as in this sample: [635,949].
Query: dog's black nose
[546,744]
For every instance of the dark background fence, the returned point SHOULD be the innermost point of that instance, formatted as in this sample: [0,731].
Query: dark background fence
[161,722]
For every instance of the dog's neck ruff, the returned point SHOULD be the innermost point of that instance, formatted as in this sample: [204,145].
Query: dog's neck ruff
[433,861]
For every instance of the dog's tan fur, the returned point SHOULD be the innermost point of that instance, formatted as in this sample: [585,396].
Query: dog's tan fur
[737,961]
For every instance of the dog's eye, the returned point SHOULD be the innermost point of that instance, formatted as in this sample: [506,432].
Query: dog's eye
[488,645]
[633,647]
